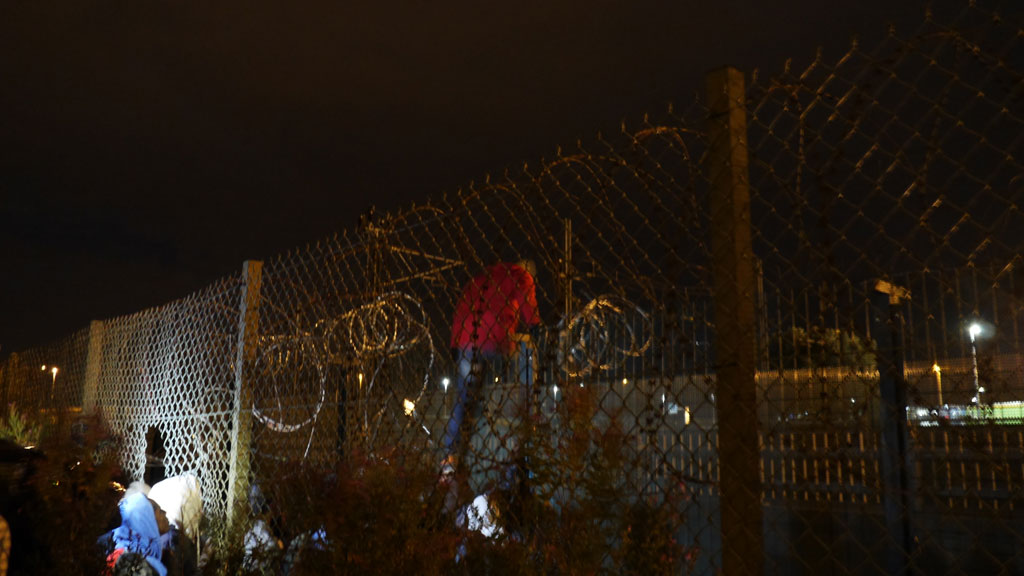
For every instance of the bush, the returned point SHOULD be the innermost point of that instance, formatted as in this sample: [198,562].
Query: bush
[577,511]
[66,503]
[574,509]
[19,428]
[366,516]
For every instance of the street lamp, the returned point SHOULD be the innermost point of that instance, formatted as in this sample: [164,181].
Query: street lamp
[53,383]
[938,379]
[974,329]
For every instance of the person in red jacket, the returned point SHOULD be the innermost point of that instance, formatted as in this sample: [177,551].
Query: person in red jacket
[494,306]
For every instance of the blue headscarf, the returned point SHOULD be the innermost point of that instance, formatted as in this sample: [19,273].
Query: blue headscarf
[139,532]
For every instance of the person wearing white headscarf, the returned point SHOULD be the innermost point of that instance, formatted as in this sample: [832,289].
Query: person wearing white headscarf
[181,500]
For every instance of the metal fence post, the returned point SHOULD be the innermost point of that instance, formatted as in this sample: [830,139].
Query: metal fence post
[241,419]
[93,363]
[894,450]
[735,324]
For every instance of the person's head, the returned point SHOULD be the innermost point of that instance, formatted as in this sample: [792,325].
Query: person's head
[257,501]
[180,500]
[134,564]
[139,530]
[529,266]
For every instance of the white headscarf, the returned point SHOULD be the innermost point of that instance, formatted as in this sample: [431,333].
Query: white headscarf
[180,498]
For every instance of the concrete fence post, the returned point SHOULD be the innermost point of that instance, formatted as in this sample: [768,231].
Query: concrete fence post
[93,366]
[241,419]
[6,377]
[735,291]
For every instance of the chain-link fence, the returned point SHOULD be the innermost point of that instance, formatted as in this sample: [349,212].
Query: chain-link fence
[892,419]
[162,381]
[793,308]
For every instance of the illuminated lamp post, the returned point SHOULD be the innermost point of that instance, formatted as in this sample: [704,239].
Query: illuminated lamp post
[53,382]
[975,329]
[938,380]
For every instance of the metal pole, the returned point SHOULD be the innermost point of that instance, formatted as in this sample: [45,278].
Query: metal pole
[567,272]
[735,291]
[897,481]
[974,367]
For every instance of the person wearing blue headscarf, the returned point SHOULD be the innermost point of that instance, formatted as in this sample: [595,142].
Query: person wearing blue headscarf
[139,532]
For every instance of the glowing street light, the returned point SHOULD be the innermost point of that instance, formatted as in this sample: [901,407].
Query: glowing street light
[53,383]
[974,329]
[409,406]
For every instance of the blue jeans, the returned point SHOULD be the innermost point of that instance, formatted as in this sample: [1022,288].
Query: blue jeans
[471,366]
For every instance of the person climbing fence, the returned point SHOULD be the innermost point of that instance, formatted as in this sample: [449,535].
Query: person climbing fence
[493,308]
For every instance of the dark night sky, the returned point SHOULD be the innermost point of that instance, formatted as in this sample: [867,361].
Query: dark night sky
[149,147]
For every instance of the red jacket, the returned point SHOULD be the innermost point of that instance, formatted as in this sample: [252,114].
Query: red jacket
[491,308]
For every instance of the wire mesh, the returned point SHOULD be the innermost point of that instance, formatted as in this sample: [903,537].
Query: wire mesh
[165,389]
[49,378]
[884,194]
